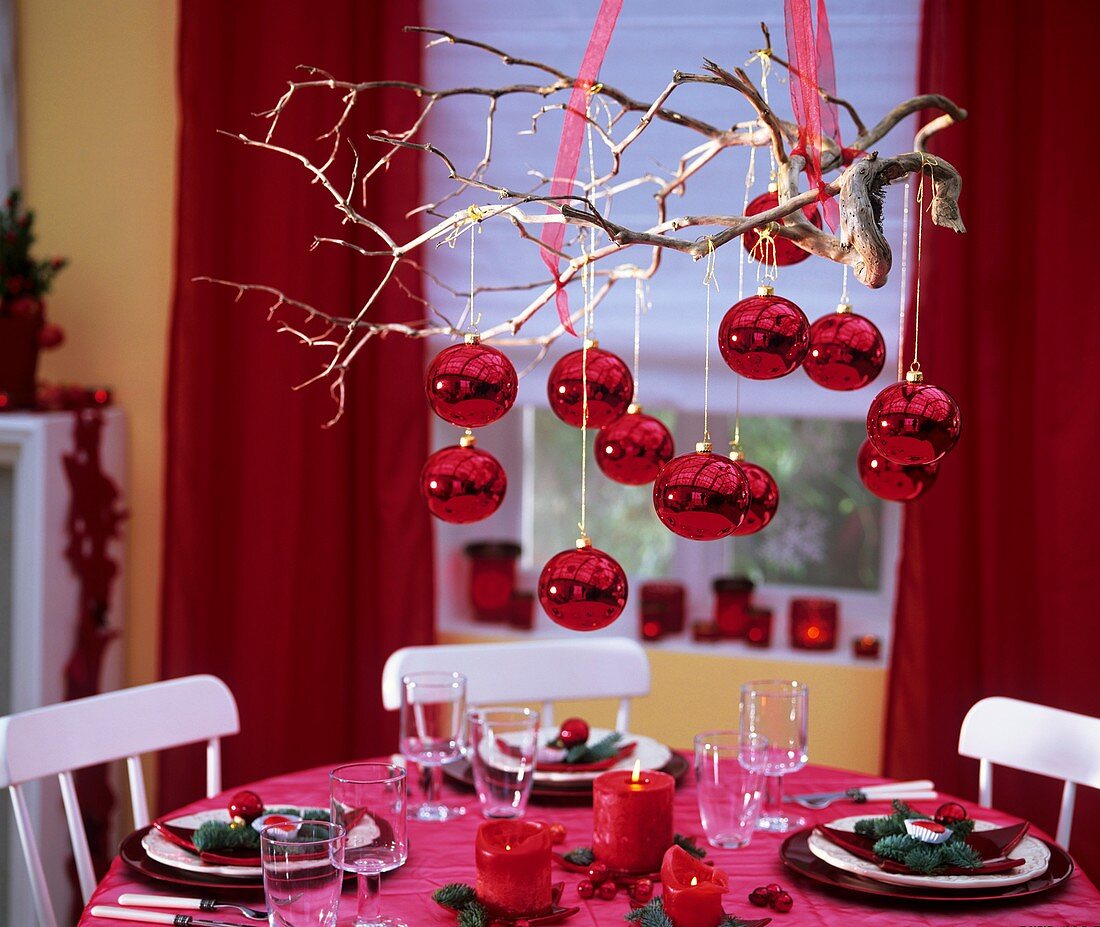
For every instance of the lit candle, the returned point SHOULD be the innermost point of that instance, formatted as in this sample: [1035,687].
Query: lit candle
[632,819]
[866,646]
[513,868]
[692,890]
[813,624]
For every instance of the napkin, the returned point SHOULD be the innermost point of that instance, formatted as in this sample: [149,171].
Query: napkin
[624,751]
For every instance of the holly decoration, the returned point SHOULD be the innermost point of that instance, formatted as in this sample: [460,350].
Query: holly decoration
[244,807]
[701,496]
[583,589]
[786,251]
[913,422]
[763,497]
[847,351]
[633,448]
[891,481]
[463,484]
[471,384]
[764,337]
[610,387]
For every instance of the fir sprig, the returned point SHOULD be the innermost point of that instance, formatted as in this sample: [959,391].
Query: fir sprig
[602,749]
[454,895]
[651,914]
[20,274]
[473,915]
[892,841]
[219,836]
[688,845]
[581,856]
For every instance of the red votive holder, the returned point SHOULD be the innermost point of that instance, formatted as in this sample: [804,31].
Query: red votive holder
[632,819]
[732,595]
[662,609]
[705,631]
[866,646]
[758,626]
[522,614]
[814,624]
[691,890]
[513,868]
[492,578]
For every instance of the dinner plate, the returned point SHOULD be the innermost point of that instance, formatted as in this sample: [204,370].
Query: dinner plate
[796,855]
[133,855]
[1033,852]
[651,753]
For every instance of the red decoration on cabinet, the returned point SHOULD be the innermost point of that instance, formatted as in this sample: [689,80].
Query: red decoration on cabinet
[609,381]
[814,624]
[758,626]
[786,251]
[463,484]
[846,352]
[867,646]
[913,422]
[471,384]
[662,610]
[583,589]
[492,579]
[892,481]
[732,595]
[764,337]
[701,496]
[633,448]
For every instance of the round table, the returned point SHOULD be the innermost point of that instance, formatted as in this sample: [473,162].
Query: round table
[441,853]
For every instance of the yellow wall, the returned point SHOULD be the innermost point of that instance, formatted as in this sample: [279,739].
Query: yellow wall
[97,112]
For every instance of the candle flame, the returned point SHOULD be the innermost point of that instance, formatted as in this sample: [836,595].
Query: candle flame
[636,776]
[694,880]
[507,846]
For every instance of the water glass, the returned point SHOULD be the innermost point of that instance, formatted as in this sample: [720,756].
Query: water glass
[504,744]
[729,779]
[303,869]
[777,710]
[368,799]
[433,709]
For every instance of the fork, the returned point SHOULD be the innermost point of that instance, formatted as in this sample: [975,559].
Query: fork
[188,904]
[921,790]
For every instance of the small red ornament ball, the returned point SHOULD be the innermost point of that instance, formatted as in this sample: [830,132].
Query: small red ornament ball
[786,251]
[913,423]
[557,834]
[763,499]
[246,805]
[50,336]
[585,888]
[598,873]
[583,589]
[783,903]
[764,337]
[642,890]
[951,813]
[701,496]
[633,448]
[610,387]
[847,351]
[890,481]
[607,890]
[462,484]
[574,732]
[471,385]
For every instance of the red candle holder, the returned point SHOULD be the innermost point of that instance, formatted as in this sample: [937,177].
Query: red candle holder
[758,627]
[814,624]
[492,579]
[732,595]
[866,646]
[706,631]
[662,610]
[522,615]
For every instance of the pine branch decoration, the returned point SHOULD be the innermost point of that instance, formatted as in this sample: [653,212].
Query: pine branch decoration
[473,915]
[218,836]
[581,856]
[688,845]
[651,914]
[602,749]
[454,895]
[892,841]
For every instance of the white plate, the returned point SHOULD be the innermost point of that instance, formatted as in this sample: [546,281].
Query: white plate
[652,753]
[167,853]
[1031,850]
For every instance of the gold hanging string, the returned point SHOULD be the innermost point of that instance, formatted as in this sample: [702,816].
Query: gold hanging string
[750,179]
[903,300]
[925,161]
[708,279]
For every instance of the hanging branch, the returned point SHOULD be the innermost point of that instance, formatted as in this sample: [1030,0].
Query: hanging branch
[618,120]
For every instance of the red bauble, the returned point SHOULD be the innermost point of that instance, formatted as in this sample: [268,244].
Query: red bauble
[585,888]
[951,813]
[633,448]
[786,251]
[847,351]
[890,481]
[763,499]
[764,337]
[607,890]
[50,336]
[574,731]
[583,589]
[463,484]
[913,422]
[598,873]
[642,890]
[471,385]
[701,496]
[246,805]
[610,387]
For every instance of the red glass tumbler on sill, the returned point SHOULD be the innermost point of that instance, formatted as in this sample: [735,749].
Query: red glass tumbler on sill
[866,646]
[732,595]
[492,578]
[662,609]
[522,615]
[758,627]
[814,624]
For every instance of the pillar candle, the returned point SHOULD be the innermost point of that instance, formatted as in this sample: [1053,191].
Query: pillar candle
[632,819]
[513,868]
[692,890]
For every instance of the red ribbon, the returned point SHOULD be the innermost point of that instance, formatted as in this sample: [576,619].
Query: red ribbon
[569,149]
[813,71]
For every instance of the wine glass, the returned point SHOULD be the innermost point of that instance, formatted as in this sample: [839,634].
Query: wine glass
[368,800]
[777,710]
[433,715]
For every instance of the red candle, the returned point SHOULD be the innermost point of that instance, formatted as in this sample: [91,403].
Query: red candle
[513,868]
[813,624]
[758,628]
[662,609]
[632,819]
[731,604]
[692,890]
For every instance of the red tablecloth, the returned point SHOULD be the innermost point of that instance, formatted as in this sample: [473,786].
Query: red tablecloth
[441,853]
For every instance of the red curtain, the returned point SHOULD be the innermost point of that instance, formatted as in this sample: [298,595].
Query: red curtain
[997,588]
[297,558]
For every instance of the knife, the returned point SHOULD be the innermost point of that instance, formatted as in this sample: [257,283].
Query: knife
[867,793]
[155,917]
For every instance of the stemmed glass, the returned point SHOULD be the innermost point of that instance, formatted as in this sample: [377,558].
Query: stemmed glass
[777,710]
[368,799]
[433,715]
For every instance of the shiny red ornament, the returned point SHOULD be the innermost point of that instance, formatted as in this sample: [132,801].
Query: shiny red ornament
[574,732]
[583,589]
[642,890]
[610,387]
[633,448]
[585,888]
[913,422]
[50,336]
[598,873]
[463,484]
[246,805]
[763,499]
[764,337]
[786,251]
[847,351]
[471,385]
[890,481]
[701,496]
[951,812]
[607,890]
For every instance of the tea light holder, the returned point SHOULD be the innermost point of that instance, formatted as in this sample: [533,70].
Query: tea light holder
[522,613]
[814,624]
[866,646]
[492,579]
[732,598]
[662,610]
[758,626]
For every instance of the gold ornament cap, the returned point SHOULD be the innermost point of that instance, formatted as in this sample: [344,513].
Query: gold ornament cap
[633,409]
[844,308]
[467,440]
[765,291]
[736,454]
[773,187]
[914,375]
[583,543]
[472,338]
[590,343]
[704,447]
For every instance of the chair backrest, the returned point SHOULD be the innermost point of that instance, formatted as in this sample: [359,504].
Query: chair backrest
[58,739]
[1034,738]
[531,671]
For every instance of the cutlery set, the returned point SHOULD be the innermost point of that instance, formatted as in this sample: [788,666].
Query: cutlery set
[131,907]
[918,790]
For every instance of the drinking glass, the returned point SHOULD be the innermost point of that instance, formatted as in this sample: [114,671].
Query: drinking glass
[303,870]
[504,743]
[368,799]
[433,710]
[729,776]
[777,710]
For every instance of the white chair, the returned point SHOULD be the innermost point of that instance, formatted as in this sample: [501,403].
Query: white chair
[531,671]
[1034,738]
[85,732]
